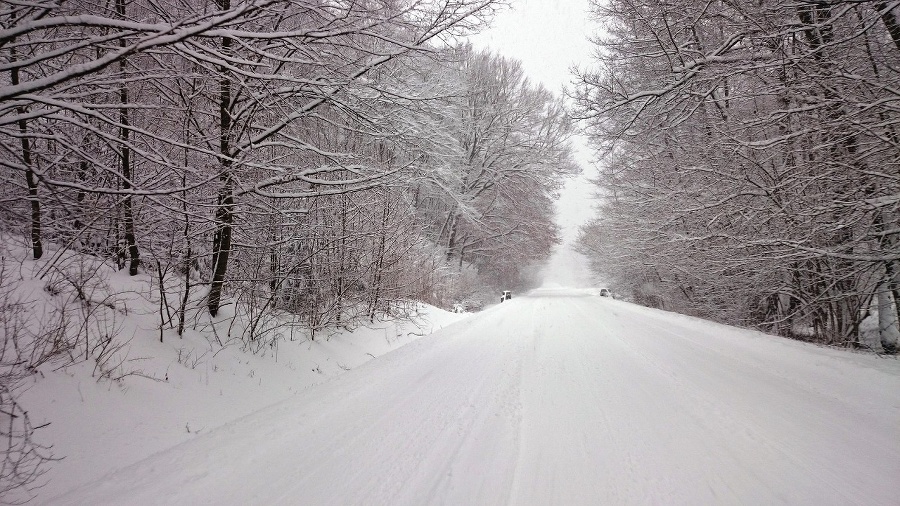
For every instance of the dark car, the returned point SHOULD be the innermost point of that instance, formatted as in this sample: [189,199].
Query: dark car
[604,292]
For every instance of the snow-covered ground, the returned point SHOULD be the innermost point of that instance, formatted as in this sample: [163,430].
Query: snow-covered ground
[170,392]
[557,397]
[183,390]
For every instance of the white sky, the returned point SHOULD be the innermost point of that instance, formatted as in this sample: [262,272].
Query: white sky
[549,37]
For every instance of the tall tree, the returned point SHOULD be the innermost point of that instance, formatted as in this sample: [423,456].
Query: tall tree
[511,139]
[752,154]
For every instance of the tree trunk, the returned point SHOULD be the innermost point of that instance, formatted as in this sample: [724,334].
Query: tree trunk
[274,282]
[889,18]
[451,234]
[37,248]
[225,204]
[888,331]
[80,195]
[379,262]
[182,309]
[125,159]
[222,240]
[893,281]
[342,260]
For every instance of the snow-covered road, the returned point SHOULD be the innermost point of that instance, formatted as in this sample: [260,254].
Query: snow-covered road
[558,397]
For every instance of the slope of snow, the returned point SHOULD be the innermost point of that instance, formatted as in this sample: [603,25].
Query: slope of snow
[98,426]
[559,397]
[170,392]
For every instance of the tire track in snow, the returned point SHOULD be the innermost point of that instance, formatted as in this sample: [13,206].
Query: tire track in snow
[784,436]
[555,398]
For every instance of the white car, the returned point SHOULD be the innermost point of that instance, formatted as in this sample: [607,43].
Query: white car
[604,292]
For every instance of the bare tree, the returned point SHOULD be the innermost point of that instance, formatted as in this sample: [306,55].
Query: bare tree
[752,159]
[510,152]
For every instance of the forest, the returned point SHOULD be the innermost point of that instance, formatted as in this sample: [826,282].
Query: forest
[292,163]
[752,169]
[322,160]
[302,166]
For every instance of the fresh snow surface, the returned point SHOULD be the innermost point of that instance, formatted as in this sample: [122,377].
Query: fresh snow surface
[555,397]
[182,389]
[171,392]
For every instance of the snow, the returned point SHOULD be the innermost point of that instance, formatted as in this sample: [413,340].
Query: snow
[555,397]
[99,426]
[170,392]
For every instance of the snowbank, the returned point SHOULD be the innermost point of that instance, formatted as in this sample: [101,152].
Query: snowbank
[106,410]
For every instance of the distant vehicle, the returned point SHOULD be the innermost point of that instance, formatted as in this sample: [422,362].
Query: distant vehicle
[604,292]
[506,295]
